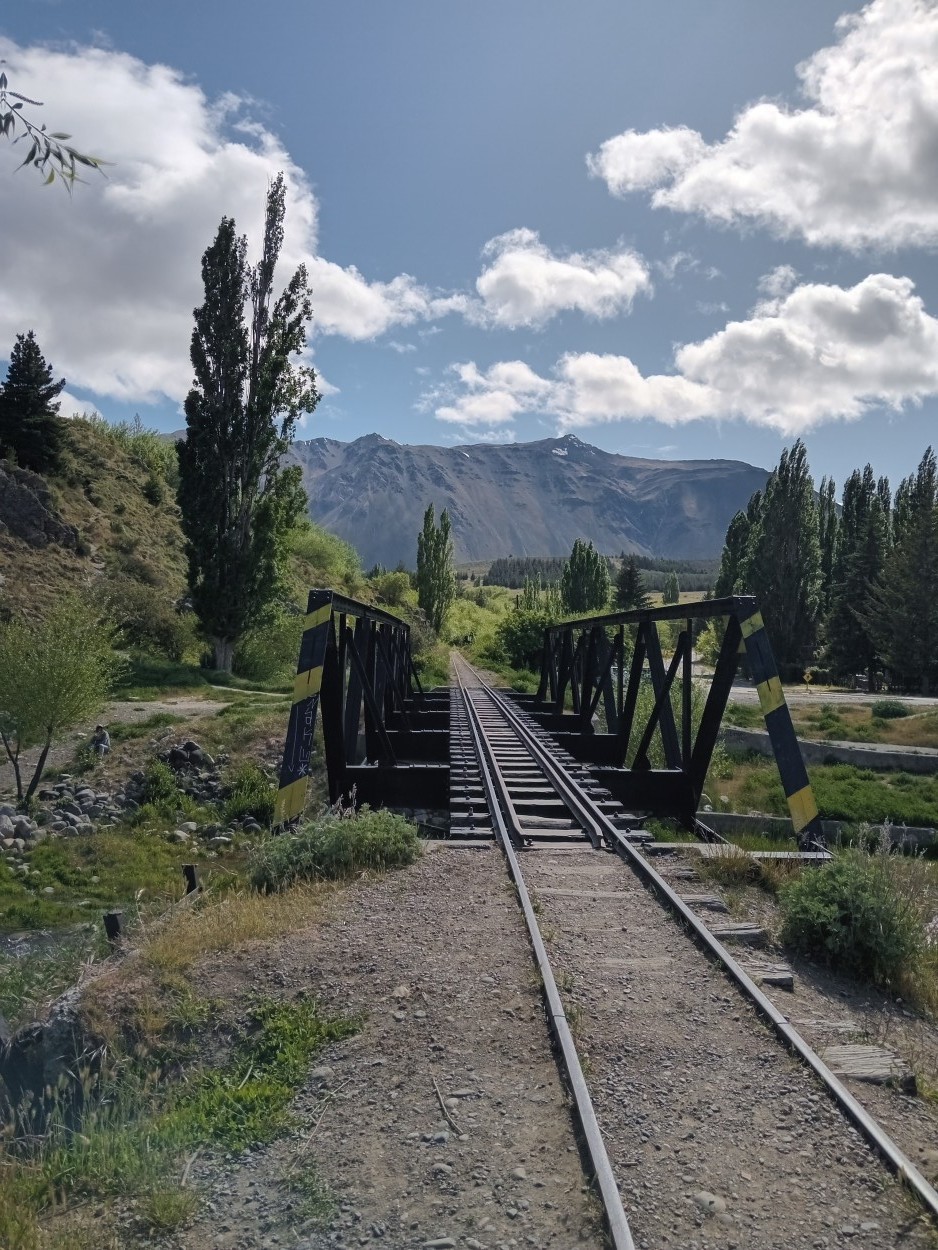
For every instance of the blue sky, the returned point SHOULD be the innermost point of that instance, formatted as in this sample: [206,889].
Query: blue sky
[679,230]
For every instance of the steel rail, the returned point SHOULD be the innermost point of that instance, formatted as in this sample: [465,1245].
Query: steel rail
[582,805]
[609,1191]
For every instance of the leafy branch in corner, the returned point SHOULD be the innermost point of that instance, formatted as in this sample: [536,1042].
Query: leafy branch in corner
[48,150]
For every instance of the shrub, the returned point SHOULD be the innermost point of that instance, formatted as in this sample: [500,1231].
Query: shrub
[270,651]
[159,788]
[339,843]
[148,620]
[250,795]
[889,709]
[854,915]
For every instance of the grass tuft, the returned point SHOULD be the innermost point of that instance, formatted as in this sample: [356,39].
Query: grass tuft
[339,843]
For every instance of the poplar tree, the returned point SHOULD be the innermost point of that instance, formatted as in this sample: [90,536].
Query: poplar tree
[859,565]
[237,501]
[30,426]
[630,591]
[584,583]
[436,578]
[672,589]
[904,616]
[783,563]
[827,537]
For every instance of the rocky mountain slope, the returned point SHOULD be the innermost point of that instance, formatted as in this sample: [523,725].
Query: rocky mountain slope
[521,498]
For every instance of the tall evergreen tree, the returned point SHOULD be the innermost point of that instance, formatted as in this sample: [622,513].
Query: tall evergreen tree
[30,427]
[237,500]
[859,564]
[827,537]
[783,563]
[630,591]
[584,585]
[904,616]
[436,578]
[672,589]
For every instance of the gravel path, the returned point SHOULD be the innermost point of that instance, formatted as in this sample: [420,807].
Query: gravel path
[437,961]
[717,1136]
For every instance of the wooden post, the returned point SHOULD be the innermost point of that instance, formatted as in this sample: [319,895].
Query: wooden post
[113,925]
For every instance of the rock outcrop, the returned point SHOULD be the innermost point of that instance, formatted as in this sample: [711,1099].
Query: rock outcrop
[27,510]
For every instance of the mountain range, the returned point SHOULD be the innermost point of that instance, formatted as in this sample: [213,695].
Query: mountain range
[520,498]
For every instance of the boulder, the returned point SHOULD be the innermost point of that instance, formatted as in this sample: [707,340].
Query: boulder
[27,510]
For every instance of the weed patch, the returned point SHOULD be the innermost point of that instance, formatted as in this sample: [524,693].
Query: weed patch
[336,844]
[858,915]
[250,794]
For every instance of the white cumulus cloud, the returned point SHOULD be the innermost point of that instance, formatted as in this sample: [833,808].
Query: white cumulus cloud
[818,354]
[857,166]
[524,283]
[108,278]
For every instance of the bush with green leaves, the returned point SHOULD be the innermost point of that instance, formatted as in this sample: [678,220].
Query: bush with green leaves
[520,638]
[339,843]
[269,652]
[856,915]
[55,673]
[147,620]
[889,709]
[335,561]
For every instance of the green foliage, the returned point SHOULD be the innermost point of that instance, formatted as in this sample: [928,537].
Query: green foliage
[333,562]
[238,502]
[28,980]
[269,652]
[630,589]
[889,709]
[249,794]
[782,567]
[850,915]
[339,843]
[147,448]
[584,584]
[30,427]
[159,788]
[843,792]
[436,578]
[903,617]
[46,150]
[858,566]
[54,674]
[520,638]
[392,589]
[672,589]
[146,619]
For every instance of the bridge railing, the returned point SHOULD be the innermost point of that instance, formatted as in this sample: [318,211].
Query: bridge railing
[355,671]
[604,661]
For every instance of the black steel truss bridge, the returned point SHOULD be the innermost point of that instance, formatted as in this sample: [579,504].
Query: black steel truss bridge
[615,691]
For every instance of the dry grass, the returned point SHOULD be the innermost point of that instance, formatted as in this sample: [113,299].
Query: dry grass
[223,923]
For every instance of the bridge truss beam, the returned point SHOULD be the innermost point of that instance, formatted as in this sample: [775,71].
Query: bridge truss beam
[384,737]
[584,666]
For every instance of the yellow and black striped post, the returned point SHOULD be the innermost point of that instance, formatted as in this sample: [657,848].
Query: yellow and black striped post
[804,814]
[294,771]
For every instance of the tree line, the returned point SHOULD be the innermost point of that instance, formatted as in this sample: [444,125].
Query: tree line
[515,571]
[852,586]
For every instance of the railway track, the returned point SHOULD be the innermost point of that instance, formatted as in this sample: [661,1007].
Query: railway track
[706,1118]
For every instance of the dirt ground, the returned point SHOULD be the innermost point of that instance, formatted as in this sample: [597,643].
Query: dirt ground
[443,1122]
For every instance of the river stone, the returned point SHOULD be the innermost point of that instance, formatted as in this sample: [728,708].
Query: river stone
[6,827]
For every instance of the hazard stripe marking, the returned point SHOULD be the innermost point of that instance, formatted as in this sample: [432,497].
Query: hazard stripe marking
[771,695]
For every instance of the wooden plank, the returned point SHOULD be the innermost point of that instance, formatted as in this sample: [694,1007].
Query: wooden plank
[751,934]
[709,902]
[878,1065]
[779,975]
